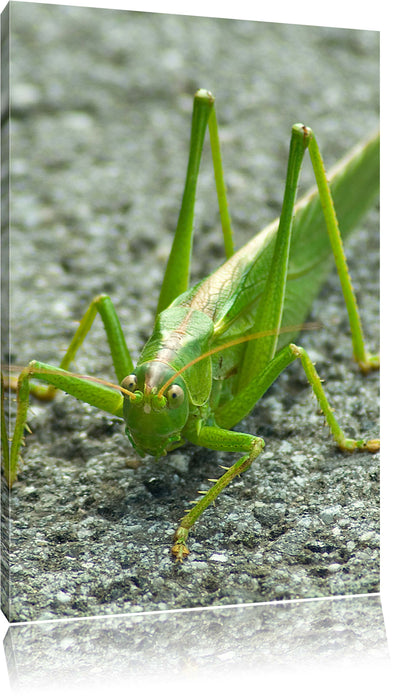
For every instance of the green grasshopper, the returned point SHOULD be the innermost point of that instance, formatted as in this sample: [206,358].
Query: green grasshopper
[216,348]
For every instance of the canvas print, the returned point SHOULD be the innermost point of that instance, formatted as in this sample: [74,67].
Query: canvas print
[192,452]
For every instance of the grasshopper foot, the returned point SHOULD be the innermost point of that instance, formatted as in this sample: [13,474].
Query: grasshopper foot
[363,445]
[371,363]
[373,445]
[179,549]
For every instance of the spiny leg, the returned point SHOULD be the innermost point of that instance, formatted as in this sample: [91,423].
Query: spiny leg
[122,362]
[365,360]
[58,378]
[258,353]
[216,438]
[342,441]
[176,278]
[96,394]
[234,410]
[270,311]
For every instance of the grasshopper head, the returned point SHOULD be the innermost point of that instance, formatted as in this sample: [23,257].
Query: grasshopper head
[153,421]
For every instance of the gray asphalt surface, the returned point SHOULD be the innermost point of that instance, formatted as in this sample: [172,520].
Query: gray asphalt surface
[101,113]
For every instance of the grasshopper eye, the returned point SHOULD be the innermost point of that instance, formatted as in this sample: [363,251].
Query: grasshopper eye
[129,382]
[175,396]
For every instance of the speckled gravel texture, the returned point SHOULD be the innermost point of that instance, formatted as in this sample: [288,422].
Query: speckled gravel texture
[101,112]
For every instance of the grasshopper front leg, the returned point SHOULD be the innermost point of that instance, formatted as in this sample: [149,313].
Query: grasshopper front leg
[216,438]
